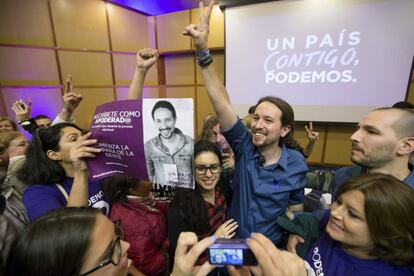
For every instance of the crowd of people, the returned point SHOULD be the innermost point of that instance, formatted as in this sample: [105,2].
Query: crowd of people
[249,179]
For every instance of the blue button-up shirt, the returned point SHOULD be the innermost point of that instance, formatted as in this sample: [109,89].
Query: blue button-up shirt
[262,193]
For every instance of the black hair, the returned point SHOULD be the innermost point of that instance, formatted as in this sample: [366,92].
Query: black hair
[54,244]
[164,104]
[403,105]
[117,187]
[41,116]
[38,168]
[191,202]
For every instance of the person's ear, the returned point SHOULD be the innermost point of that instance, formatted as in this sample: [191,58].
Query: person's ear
[54,155]
[285,130]
[406,146]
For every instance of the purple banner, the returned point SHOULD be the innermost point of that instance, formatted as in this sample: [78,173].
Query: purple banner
[118,128]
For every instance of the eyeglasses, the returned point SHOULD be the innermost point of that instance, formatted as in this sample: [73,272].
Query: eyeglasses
[214,169]
[114,251]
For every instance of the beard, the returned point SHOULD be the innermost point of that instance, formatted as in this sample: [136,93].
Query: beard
[374,158]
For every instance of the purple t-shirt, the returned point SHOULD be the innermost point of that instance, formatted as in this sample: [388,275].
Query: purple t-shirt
[326,258]
[39,199]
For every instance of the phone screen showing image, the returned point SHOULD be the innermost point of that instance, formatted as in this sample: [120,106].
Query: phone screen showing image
[226,256]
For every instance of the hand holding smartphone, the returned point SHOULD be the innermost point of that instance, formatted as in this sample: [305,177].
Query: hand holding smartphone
[231,252]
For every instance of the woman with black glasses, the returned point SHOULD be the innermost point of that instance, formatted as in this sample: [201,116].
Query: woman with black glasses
[202,209]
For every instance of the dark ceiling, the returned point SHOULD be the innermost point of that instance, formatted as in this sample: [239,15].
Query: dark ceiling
[157,7]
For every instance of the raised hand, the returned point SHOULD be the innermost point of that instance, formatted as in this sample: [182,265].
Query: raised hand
[272,261]
[226,230]
[313,136]
[82,149]
[199,33]
[71,100]
[22,109]
[186,254]
[146,58]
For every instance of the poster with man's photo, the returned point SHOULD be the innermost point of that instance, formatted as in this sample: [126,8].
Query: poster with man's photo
[169,141]
[117,126]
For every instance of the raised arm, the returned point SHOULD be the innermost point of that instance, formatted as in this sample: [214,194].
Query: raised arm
[215,88]
[145,59]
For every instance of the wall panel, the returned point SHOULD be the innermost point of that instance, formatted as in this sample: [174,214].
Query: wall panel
[149,93]
[203,108]
[129,30]
[21,66]
[169,29]
[86,68]
[338,145]
[179,69]
[124,66]
[25,22]
[80,24]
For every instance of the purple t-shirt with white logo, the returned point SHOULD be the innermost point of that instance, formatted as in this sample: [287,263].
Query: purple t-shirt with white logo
[39,199]
[326,258]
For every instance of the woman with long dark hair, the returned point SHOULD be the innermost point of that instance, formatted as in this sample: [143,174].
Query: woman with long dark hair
[56,172]
[369,230]
[202,210]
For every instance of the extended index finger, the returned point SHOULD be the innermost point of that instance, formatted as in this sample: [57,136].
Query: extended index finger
[68,86]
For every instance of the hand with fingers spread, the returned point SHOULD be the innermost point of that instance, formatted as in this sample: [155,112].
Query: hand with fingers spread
[83,148]
[186,254]
[313,136]
[199,33]
[22,110]
[227,229]
[272,261]
[71,100]
[146,58]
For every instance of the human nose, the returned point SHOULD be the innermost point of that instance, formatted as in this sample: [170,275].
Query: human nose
[355,137]
[337,211]
[258,124]
[208,173]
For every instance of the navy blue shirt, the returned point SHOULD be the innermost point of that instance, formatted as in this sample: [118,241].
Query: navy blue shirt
[345,173]
[262,193]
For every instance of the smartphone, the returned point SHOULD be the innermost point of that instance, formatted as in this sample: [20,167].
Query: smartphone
[230,252]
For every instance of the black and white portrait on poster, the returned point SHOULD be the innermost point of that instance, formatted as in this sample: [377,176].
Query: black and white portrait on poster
[169,141]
